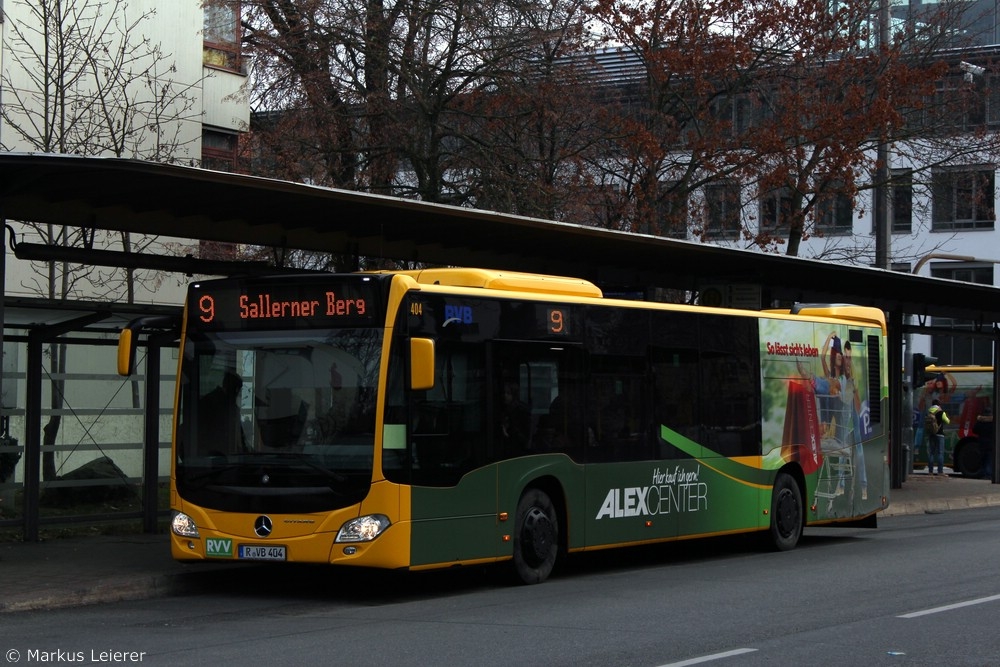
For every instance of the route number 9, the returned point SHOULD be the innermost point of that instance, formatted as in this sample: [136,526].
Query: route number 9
[206,305]
[557,321]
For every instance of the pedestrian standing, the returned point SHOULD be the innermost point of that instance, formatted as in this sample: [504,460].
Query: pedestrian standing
[935,436]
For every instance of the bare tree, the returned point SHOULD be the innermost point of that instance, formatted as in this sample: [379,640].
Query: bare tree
[524,139]
[376,92]
[789,101]
[84,77]
[678,115]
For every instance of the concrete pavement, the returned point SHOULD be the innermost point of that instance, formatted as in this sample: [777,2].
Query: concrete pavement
[76,571]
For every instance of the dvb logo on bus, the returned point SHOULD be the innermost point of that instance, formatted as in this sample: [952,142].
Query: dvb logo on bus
[219,548]
[461,314]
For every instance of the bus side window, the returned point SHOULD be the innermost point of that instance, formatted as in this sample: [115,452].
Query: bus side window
[617,411]
[566,427]
[537,404]
[675,382]
[730,413]
[396,457]
[514,424]
[446,422]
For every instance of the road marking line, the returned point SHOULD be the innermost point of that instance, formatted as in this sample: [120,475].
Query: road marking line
[949,607]
[710,658]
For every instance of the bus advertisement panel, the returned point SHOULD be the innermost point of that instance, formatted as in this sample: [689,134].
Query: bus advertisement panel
[444,417]
[820,390]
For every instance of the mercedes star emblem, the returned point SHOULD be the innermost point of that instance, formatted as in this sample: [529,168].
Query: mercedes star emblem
[262,526]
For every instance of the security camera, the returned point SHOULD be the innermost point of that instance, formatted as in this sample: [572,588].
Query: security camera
[969,68]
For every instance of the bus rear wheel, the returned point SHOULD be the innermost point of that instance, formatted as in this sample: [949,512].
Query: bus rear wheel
[536,537]
[967,459]
[786,513]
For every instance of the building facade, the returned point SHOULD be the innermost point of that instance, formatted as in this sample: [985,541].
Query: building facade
[154,80]
[143,79]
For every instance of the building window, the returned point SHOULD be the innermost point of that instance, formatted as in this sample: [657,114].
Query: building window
[218,150]
[960,103]
[722,210]
[953,348]
[735,114]
[963,199]
[776,210]
[672,210]
[834,214]
[222,35]
[993,101]
[901,190]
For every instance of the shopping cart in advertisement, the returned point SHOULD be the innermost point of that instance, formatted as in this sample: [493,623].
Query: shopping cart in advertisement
[836,474]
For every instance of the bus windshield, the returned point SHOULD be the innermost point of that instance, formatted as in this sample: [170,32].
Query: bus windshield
[277,422]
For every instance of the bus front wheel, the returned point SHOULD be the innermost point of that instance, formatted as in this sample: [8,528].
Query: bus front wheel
[786,513]
[536,537]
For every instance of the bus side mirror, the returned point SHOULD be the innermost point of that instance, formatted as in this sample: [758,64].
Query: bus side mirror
[421,363]
[128,339]
[126,352]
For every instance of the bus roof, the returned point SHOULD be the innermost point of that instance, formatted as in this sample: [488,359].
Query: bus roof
[514,281]
[504,280]
[843,311]
[959,369]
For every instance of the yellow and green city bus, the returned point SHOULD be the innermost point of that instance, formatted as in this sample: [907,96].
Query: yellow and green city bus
[425,419]
[964,392]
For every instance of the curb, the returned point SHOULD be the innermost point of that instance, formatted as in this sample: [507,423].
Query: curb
[941,505]
[109,590]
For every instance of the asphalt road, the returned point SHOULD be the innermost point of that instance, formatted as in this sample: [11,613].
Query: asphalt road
[920,590]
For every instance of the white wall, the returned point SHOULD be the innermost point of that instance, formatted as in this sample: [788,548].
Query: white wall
[176,29]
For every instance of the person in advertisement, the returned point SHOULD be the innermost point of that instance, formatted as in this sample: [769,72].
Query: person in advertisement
[852,397]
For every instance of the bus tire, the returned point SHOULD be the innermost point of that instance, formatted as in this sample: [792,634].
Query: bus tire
[786,513]
[967,459]
[536,537]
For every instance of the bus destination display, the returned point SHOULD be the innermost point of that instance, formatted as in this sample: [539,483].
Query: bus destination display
[242,305]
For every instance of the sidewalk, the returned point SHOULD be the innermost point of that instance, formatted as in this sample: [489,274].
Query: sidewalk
[76,571]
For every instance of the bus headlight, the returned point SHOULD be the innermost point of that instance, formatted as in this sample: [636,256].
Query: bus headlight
[363,529]
[183,525]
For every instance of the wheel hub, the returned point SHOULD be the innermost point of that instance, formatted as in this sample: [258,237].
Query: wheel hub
[538,534]
[785,513]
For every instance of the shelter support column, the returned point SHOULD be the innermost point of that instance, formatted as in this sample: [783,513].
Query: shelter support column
[151,437]
[897,454]
[32,437]
[995,477]
[3,293]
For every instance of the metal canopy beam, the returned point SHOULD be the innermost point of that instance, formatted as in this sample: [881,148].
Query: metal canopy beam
[200,204]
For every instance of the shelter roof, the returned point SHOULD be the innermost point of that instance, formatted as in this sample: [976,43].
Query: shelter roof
[153,198]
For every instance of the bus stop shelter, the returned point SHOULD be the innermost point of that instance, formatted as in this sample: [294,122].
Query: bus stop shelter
[168,200]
